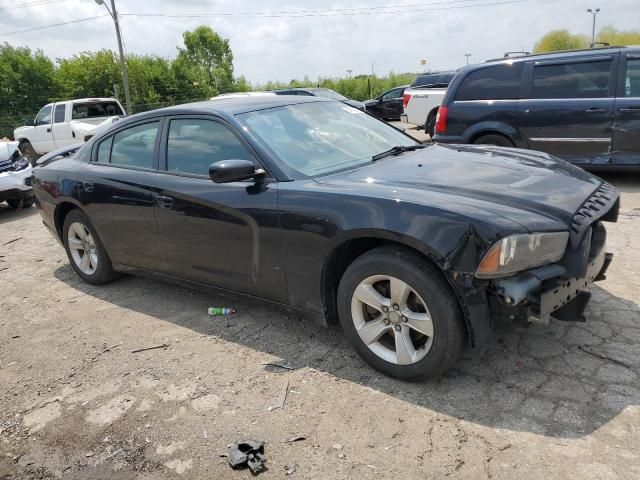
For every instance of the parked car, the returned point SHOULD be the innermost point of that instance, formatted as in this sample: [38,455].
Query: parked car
[422,99]
[414,248]
[241,94]
[66,123]
[581,105]
[321,92]
[15,176]
[387,105]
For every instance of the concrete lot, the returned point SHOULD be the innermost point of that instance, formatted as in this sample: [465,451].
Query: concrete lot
[555,402]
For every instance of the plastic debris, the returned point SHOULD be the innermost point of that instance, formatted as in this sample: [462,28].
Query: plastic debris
[215,311]
[290,470]
[296,438]
[248,453]
[282,396]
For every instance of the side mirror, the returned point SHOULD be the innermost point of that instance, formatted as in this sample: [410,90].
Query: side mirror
[227,171]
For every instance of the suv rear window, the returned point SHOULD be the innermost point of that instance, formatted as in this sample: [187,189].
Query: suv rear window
[439,79]
[572,80]
[95,110]
[500,82]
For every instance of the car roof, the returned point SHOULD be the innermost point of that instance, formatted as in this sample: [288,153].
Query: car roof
[561,54]
[229,106]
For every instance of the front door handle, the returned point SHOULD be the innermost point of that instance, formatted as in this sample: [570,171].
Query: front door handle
[88,186]
[595,110]
[48,129]
[629,109]
[164,202]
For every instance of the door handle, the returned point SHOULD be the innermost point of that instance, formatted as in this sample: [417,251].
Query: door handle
[164,202]
[88,186]
[629,109]
[595,110]
[48,129]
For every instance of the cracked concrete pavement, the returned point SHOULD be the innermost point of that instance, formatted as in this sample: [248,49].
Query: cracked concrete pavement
[558,401]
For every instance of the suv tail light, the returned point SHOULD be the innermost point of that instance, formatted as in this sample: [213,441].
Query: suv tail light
[441,119]
[405,100]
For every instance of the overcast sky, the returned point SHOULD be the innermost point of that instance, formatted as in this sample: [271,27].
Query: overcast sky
[333,38]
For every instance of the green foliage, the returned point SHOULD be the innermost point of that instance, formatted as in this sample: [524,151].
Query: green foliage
[618,37]
[560,40]
[26,84]
[208,58]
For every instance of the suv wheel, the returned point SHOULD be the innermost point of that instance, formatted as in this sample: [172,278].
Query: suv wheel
[494,139]
[85,250]
[400,314]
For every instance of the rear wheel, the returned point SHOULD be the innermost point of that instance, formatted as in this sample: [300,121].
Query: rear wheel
[400,314]
[28,151]
[494,139]
[430,127]
[85,250]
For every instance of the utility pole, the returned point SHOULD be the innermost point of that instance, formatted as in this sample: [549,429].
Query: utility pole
[123,65]
[467,55]
[349,72]
[594,12]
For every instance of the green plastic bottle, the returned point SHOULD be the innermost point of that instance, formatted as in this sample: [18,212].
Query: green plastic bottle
[215,311]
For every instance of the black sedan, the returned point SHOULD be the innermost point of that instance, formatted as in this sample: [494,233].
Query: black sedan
[387,105]
[306,202]
[321,92]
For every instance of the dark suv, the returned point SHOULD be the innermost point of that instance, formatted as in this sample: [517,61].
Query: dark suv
[581,105]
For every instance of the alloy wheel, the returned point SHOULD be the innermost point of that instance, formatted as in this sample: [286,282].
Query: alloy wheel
[82,248]
[392,320]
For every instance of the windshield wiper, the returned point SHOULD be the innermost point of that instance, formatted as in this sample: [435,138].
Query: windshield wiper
[398,149]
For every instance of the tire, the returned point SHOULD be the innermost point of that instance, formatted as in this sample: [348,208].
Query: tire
[493,139]
[27,150]
[432,354]
[22,202]
[430,128]
[96,268]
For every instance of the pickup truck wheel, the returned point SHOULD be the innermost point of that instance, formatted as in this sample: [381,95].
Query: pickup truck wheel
[400,314]
[86,253]
[494,139]
[28,151]
[430,128]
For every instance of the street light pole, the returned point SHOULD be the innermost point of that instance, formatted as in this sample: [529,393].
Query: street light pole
[123,64]
[594,12]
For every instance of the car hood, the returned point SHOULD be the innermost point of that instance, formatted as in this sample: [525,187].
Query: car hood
[495,179]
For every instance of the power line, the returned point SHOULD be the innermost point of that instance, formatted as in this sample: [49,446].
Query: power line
[30,4]
[42,27]
[327,13]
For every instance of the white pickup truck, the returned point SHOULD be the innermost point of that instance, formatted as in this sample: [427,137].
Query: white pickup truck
[422,99]
[66,123]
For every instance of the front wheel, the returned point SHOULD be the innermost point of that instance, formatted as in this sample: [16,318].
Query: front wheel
[400,314]
[85,250]
[22,202]
[28,151]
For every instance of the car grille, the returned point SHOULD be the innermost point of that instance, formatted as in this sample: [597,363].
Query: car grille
[602,204]
[6,165]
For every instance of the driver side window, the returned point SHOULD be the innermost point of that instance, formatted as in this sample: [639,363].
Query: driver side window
[44,116]
[195,143]
[393,94]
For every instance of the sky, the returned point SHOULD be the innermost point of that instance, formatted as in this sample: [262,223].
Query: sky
[286,39]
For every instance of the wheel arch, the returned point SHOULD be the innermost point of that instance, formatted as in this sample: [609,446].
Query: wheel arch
[344,253]
[60,213]
[495,128]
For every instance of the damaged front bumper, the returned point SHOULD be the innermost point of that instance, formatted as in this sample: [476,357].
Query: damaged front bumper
[538,294]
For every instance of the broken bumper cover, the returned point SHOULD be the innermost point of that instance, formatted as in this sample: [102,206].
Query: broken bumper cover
[547,291]
[15,184]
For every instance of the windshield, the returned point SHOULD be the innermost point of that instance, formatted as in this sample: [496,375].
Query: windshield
[95,110]
[322,137]
[325,92]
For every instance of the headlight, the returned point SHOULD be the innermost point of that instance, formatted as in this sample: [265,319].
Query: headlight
[20,164]
[521,252]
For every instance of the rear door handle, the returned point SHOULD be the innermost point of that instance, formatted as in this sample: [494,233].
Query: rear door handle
[88,186]
[164,202]
[595,110]
[629,109]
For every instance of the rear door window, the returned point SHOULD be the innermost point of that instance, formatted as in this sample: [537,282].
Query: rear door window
[134,147]
[632,78]
[572,80]
[500,82]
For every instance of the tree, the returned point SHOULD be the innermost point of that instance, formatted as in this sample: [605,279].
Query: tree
[26,83]
[560,40]
[613,36]
[88,74]
[209,58]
